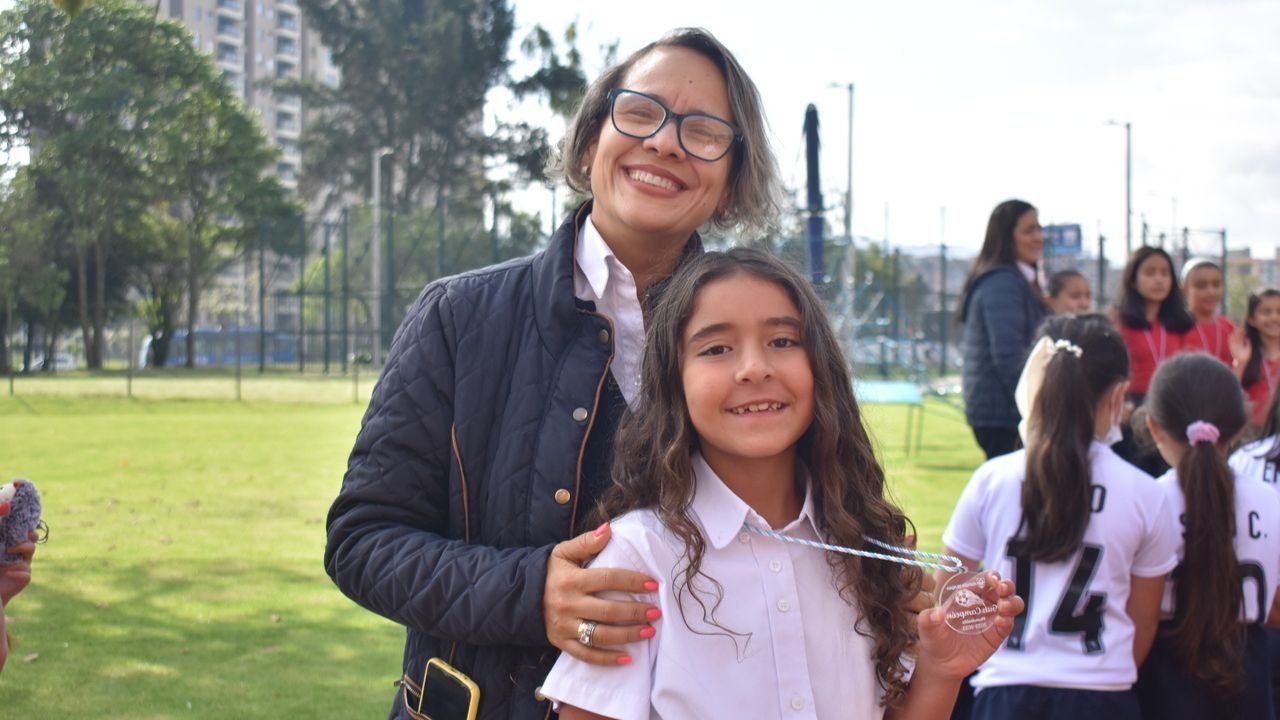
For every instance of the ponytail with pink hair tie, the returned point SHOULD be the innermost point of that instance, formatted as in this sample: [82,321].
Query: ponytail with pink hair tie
[1201,431]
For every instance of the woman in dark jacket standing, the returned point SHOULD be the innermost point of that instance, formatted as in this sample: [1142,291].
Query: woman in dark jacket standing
[1001,306]
[488,436]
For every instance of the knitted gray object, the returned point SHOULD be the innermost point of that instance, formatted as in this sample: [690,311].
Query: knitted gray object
[22,501]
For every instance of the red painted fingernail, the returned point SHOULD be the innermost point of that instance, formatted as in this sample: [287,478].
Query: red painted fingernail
[624,660]
[653,613]
[648,632]
[651,586]
[601,530]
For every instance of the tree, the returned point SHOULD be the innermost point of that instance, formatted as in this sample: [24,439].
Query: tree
[32,285]
[415,75]
[124,116]
[215,178]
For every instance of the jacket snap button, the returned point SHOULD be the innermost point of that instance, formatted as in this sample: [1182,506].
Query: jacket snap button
[537,694]
[604,336]
[562,497]
[580,414]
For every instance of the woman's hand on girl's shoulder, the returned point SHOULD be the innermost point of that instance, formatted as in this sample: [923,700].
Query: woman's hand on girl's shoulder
[943,652]
[570,602]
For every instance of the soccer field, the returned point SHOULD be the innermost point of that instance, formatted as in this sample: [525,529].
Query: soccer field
[183,575]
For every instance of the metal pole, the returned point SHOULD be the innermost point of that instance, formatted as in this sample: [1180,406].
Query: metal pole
[328,231]
[375,267]
[262,302]
[1223,235]
[8,328]
[302,303]
[238,396]
[897,301]
[1186,245]
[942,305]
[1102,271]
[848,196]
[389,314]
[346,289]
[128,384]
[1128,188]
[493,229]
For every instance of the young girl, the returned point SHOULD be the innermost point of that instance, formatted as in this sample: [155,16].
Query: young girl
[750,434]
[1256,352]
[1086,537]
[1151,314]
[1153,320]
[1069,293]
[1210,658]
[1202,286]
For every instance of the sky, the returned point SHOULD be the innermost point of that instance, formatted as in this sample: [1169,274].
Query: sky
[958,106]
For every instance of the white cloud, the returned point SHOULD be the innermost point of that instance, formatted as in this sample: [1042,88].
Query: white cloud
[965,104]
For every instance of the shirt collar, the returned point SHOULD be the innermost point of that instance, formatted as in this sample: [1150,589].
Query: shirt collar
[595,258]
[1028,271]
[722,513]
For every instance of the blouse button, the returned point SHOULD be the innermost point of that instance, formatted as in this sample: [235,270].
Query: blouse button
[580,414]
[775,566]
[783,605]
[562,497]
[797,703]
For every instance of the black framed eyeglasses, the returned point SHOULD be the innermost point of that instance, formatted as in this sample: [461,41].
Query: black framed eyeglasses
[642,116]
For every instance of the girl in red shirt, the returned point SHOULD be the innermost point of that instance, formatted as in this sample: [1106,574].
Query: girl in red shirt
[1256,352]
[1153,320]
[1202,286]
[1151,315]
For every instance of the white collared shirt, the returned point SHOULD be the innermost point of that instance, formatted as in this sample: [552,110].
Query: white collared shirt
[600,278]
[793,652]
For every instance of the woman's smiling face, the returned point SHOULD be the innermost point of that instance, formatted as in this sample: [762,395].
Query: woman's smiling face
[651,187]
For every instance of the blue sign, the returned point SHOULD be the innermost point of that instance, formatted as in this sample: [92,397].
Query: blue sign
[1062,240]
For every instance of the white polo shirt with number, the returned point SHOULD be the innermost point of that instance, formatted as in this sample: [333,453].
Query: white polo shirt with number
[1075,632]
[1257,544]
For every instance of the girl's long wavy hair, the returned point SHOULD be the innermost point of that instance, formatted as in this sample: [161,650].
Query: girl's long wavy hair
[1253,369]
[1058,487]
[1206,633]
[652,466]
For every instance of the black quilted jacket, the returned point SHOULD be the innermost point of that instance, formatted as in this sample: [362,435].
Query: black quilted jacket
[467,470]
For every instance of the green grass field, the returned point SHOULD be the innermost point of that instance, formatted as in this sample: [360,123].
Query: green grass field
[183,576]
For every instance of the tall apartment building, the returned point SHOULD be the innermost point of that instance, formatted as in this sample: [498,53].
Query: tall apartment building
[254,42]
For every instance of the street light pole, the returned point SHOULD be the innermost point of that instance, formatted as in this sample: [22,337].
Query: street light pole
[848,190]
[1128,188]
[375,243]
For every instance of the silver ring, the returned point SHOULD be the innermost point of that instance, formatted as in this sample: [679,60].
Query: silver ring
[586,629]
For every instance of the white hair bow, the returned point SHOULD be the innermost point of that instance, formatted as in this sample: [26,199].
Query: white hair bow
[1024,395]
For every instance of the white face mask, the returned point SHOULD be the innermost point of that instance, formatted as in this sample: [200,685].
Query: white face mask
[1114,434]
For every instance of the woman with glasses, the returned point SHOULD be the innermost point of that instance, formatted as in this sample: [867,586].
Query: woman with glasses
[489,434]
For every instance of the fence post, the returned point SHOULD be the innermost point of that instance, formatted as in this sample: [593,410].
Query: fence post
[942,308]
[262,300]
[1225,274]
[346,290]
[302,302]
[1102,271]
[897,303]
[328,229]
